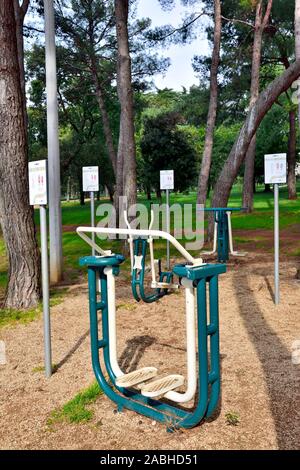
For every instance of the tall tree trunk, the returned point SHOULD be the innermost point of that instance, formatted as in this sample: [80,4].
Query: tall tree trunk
[297,47]
[291,157]
[255,115]
[20,12]
[212,111]
[260,24]
[126,150]
[16,216]
[105,122]
[297,41]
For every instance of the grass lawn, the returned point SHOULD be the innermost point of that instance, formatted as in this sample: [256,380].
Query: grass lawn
[74,215]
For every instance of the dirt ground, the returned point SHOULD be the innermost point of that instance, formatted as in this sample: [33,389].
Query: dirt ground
[259,381]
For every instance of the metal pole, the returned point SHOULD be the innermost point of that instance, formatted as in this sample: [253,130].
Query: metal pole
[168,227]
[276,242]
[55,225]
[45,288]
[93,218]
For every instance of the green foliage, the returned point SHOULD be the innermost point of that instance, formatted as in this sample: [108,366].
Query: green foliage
[76,410]
[164,145]
[232,418]
[224,139]
[10,317]
[39,369]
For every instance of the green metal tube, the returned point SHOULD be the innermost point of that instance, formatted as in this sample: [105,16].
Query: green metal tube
[214,345]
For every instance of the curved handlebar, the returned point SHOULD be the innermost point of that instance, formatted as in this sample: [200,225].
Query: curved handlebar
[82,231]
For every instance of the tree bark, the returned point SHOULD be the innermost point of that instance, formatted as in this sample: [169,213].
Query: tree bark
[212,111]
[297,41]
[291,157]
[16,216]
[20,12]
[297,48]
[260,24]
[126,159]
[255,115]
[105,122]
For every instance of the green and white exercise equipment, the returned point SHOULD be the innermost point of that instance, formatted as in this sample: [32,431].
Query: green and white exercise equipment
[143,390]
[138,252]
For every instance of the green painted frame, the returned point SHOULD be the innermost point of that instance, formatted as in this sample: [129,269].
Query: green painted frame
[208,380]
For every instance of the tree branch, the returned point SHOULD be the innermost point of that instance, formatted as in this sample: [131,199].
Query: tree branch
[184,26]
[267,14]
[24,8]
[235,20]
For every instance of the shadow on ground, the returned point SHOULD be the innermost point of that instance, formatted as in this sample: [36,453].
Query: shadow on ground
[281,376]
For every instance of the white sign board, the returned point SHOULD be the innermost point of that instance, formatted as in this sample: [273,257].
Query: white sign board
[90,178]
[275,168]
[167,179]
[38,183]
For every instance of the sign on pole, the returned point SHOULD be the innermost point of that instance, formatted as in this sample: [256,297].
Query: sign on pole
[167,184]
[38,196]
[90,182]
[167,179]
[275,173]
[38,183]
[275,168]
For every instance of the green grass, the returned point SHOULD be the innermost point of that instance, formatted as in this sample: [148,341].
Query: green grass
[9,317]
[74,215]
[76,410]
[232,418]
[39,369]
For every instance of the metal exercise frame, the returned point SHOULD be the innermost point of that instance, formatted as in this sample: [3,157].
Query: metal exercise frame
[223,240]
[203,373]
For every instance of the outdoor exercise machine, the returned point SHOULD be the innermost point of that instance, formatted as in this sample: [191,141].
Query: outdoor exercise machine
[142,390]
[138,253]
[223,240]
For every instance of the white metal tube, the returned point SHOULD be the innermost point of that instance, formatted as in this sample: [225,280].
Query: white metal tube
[168,227]
[130,240]
[190,347]
[45,291]
[152,263]
[135,232]
[276,242]
[214,250]
[55,224]
[90,242]
[230,234]
[112,333]
[215,237]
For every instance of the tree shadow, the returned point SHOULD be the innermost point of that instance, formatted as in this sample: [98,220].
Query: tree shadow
[134,351]
[281,376]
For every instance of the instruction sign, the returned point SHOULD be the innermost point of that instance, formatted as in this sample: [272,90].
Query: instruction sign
[90,178]
[167,179]
[275,168]
[38,183]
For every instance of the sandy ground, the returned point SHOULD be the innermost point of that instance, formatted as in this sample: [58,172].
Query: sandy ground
[259,381]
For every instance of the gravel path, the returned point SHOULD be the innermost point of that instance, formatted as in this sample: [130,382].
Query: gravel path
[259,381]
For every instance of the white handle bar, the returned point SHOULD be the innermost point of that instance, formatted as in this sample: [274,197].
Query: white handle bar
[82,231]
